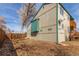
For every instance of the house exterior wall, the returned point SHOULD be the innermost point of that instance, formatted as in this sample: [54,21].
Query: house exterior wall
[47,23]
[49,28]
[64,25]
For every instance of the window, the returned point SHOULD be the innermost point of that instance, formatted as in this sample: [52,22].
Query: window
[49,29]
[59,22]
[35,25]
[68,17]
[68,29]
[61,11]
[62,26]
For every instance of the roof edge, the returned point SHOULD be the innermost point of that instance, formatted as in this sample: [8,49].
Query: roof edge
[71,18]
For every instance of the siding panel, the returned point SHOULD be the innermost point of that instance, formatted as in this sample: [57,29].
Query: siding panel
[47,23]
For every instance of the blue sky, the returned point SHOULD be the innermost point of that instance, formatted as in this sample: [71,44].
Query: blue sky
[12,18]
[73,9]
[9,12]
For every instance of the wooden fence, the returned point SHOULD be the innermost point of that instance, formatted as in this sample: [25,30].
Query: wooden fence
[16,35]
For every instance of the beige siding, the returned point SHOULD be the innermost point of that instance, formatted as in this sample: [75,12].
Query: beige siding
[45,37]
[63,32]
[47,23]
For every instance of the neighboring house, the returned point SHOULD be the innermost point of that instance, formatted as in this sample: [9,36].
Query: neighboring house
[52,23]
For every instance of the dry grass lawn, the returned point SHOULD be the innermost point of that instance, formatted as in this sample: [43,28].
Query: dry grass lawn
[30,47]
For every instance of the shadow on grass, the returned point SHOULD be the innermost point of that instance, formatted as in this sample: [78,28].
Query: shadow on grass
[7,48]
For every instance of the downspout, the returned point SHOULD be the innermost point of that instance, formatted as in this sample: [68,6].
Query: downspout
[57,23]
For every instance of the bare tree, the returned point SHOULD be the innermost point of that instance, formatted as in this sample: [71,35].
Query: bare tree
[3,24]
[27,11]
